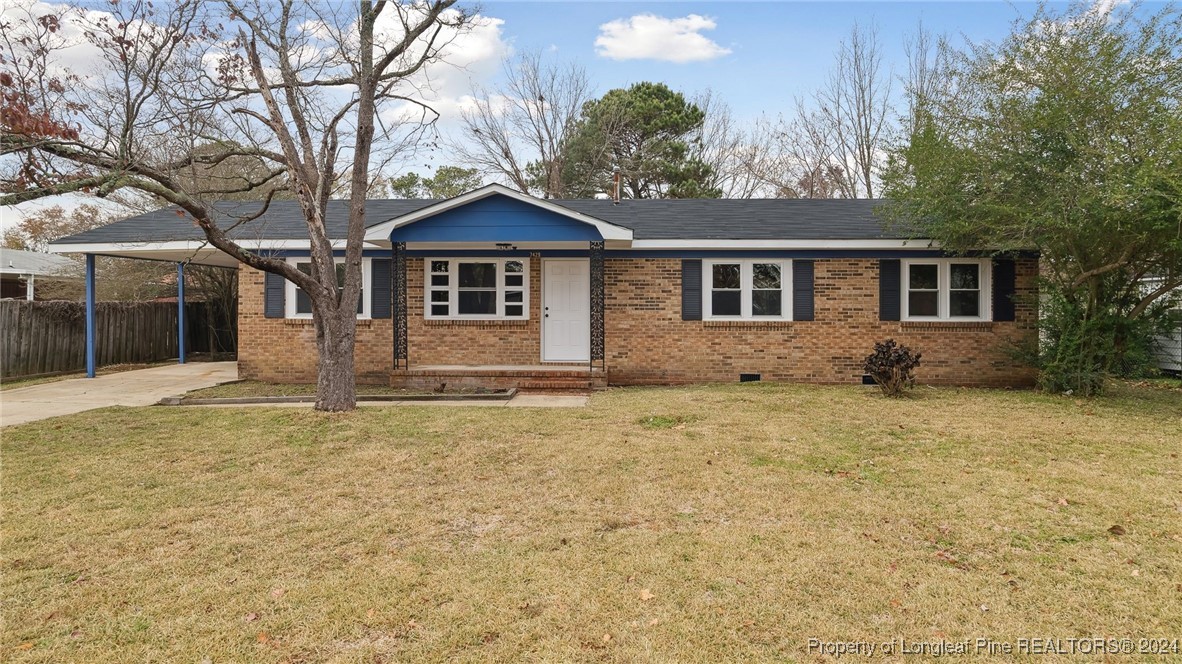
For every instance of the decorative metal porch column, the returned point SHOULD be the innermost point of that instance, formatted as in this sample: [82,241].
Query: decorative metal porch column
[398,292]
[597,298]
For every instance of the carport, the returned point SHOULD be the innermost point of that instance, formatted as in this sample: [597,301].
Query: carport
[182,253]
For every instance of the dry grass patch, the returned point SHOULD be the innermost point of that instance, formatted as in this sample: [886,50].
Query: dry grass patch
[767,515]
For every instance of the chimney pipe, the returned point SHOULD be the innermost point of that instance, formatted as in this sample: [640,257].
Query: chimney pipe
[616,185]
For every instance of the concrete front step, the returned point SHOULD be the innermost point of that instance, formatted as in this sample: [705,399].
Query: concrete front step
[536,378]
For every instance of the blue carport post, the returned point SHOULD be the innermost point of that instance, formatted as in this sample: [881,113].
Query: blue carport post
[180,312]
[90,315]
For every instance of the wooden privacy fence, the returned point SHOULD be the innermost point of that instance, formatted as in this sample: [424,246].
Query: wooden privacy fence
[50,337]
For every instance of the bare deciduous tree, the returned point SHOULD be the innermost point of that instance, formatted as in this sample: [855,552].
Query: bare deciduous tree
[517,132]
[301,89]
[855,103]
[927,75]
[736,157]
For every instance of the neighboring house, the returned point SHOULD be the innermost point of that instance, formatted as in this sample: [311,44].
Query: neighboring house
[1167,348]
[498,288]
[20,272]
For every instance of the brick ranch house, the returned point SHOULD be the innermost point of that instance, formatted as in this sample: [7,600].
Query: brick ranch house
[498,288]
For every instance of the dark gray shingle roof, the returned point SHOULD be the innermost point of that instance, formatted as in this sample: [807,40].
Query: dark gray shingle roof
[715,219]
[283,221]
[740,219]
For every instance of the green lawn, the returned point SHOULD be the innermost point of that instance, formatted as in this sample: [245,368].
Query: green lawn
[708,524]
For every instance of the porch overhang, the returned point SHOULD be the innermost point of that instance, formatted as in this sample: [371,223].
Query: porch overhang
[498,248]
[493,216]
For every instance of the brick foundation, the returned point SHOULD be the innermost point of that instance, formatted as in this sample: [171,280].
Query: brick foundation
[648,343]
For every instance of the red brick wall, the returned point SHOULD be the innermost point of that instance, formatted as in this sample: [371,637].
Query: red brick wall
[472,341]
[647,342]
[280,350]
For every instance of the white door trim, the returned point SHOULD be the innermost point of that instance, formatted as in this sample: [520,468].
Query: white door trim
[587,355]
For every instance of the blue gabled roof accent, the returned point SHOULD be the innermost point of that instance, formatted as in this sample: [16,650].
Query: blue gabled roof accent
[496,218]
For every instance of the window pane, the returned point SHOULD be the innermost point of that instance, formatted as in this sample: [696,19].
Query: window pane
[965,276]
[964,303]
[438,309]
[361,302]
[306,268]
[513,310]
[478,275]
[513,279]
[439,296]
[922,303]
[766,275]
[439,280]
[340,275]
[726,276]
[925,277]
[725,303]
[439,266]
[765,303]
[303,302]
[477,302]
[514,296]
[513,266]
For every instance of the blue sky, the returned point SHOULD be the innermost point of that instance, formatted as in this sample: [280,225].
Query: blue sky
[777,50]
[757,56]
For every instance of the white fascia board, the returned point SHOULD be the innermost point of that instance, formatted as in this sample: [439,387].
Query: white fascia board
[517,246]
[183,245]
[784,244]
[608,231]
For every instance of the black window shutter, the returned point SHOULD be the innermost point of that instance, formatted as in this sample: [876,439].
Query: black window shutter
[691,290]
[1004,287]
[802,290]
[273,290]
[379,292]
[889,289]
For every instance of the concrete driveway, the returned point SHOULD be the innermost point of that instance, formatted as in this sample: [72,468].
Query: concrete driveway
[142,387]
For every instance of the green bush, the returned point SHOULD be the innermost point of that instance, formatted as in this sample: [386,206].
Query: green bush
[1077,352]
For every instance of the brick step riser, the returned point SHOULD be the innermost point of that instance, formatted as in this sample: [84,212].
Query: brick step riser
[534,382]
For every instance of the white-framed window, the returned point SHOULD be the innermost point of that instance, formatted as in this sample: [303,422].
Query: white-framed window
[477,288]
[755,289]
[299,305]
[947,289]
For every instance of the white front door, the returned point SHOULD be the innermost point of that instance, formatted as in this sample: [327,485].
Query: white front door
[566,310]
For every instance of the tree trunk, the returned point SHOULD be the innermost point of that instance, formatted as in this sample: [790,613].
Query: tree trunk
[336,385]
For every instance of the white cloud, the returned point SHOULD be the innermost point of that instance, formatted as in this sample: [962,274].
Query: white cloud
[652,37]
[470,59]
[1105,7]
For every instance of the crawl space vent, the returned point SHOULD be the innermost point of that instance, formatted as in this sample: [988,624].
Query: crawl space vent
[749,377]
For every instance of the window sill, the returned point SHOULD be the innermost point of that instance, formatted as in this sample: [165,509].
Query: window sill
[748,324]
[475,322]
[307,322]
[946,325]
